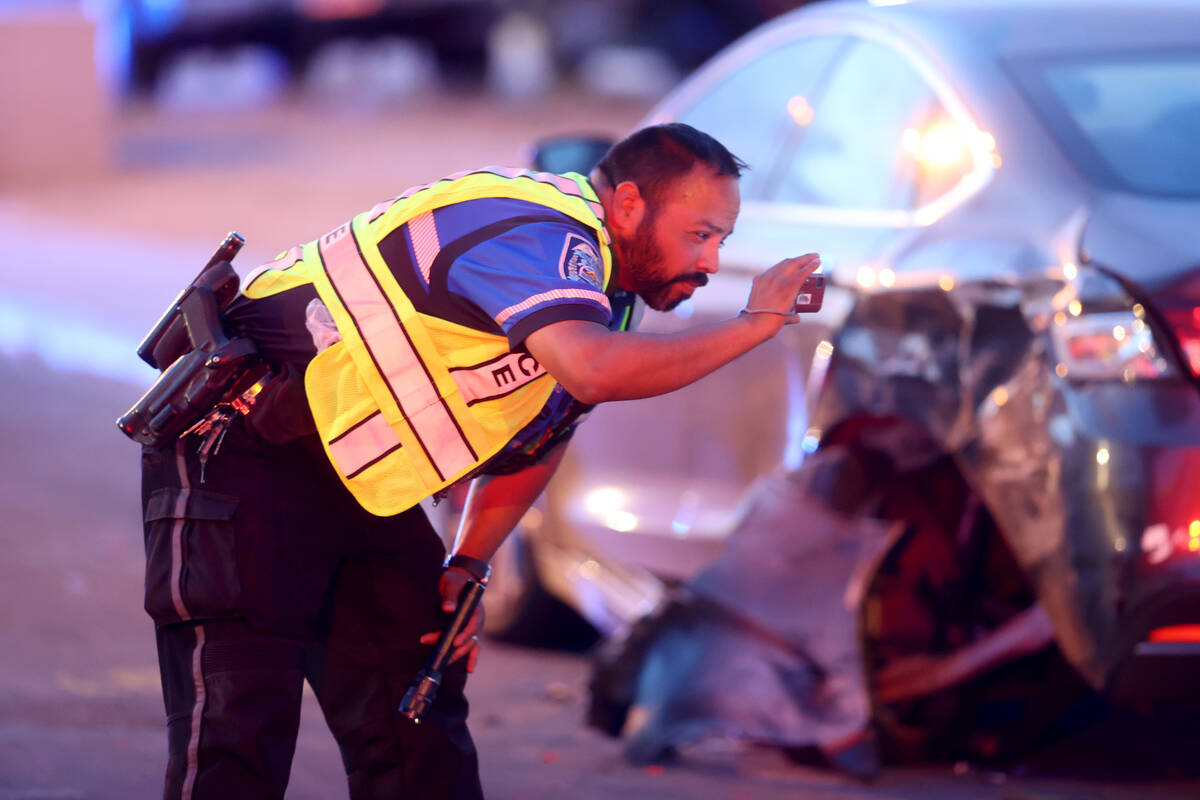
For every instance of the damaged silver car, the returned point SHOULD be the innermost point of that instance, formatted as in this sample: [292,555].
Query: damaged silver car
[1006,372]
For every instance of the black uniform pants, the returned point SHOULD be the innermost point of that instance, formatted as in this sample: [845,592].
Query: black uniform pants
[268,573]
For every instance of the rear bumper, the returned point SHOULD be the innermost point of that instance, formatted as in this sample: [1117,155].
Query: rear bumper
[1159,656]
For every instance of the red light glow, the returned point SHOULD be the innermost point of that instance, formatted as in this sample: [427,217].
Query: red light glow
[1176,633]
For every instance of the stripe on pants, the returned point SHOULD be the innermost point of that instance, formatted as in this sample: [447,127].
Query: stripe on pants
[193,747]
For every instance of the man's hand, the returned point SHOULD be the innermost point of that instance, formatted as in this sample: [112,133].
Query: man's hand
[466,643]
[776,288]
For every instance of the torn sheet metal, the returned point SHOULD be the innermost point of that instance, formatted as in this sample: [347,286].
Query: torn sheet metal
[978,385]
[1073,471]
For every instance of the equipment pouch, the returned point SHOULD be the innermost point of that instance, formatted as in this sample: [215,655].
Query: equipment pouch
[191,564]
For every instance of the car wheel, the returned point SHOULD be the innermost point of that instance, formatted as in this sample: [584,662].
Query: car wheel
[518,609]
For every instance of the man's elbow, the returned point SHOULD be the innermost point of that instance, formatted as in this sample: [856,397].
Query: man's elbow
[581,358]
[588,387]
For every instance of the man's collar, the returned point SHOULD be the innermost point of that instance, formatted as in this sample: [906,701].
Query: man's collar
[614,283]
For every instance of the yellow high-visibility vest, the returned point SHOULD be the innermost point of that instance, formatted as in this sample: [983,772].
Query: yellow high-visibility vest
[408,403]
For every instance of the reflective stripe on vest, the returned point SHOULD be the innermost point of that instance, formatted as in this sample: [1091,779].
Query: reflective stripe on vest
[497,377]
[369,441]
[564,184]
[398,363]
[423,232]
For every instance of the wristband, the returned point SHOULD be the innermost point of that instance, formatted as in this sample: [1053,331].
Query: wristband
[476,568]
[766,311]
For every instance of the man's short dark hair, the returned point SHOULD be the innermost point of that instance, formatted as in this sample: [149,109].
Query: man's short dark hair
[654,156]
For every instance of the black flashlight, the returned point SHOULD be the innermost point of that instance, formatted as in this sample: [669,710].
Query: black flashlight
[424,688]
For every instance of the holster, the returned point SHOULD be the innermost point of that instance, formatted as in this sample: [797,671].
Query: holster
[201,365]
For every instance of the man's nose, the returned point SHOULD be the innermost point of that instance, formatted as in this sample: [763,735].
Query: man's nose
[709,261]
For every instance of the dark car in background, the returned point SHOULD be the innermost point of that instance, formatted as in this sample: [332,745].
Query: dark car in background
[159,32]
[1006,198]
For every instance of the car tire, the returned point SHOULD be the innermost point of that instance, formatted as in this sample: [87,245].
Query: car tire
[519,610]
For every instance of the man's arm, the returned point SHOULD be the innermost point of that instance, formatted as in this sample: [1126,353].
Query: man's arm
[495,504]
[596,365]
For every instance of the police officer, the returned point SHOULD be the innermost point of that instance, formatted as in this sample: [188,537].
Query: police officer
[456,332]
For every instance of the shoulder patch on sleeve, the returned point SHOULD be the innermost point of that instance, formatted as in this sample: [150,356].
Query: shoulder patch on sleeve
[580,261]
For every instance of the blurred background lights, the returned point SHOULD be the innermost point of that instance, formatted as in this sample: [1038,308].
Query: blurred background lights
[1102,455]
[685,513]
[800,111]
[622,521]
[941,145]
[887,277]
[604,500]
[340,9]
[532,519]
[866,276]
[608,504]
[946,282]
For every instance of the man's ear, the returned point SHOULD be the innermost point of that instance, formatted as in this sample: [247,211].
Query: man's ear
[628,208]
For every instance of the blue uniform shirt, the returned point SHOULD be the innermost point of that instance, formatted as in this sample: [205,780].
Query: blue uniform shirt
[499,265]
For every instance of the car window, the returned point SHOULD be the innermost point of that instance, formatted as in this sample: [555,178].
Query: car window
[754,109]
[1130,120]
[879,139]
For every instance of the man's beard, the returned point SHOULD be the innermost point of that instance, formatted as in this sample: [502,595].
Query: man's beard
[643,259]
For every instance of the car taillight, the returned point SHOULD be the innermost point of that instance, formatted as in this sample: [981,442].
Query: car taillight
[1185,323]
[1107,346]
[1175,633]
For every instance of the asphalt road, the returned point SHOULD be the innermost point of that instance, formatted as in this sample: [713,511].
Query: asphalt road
[80,711]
